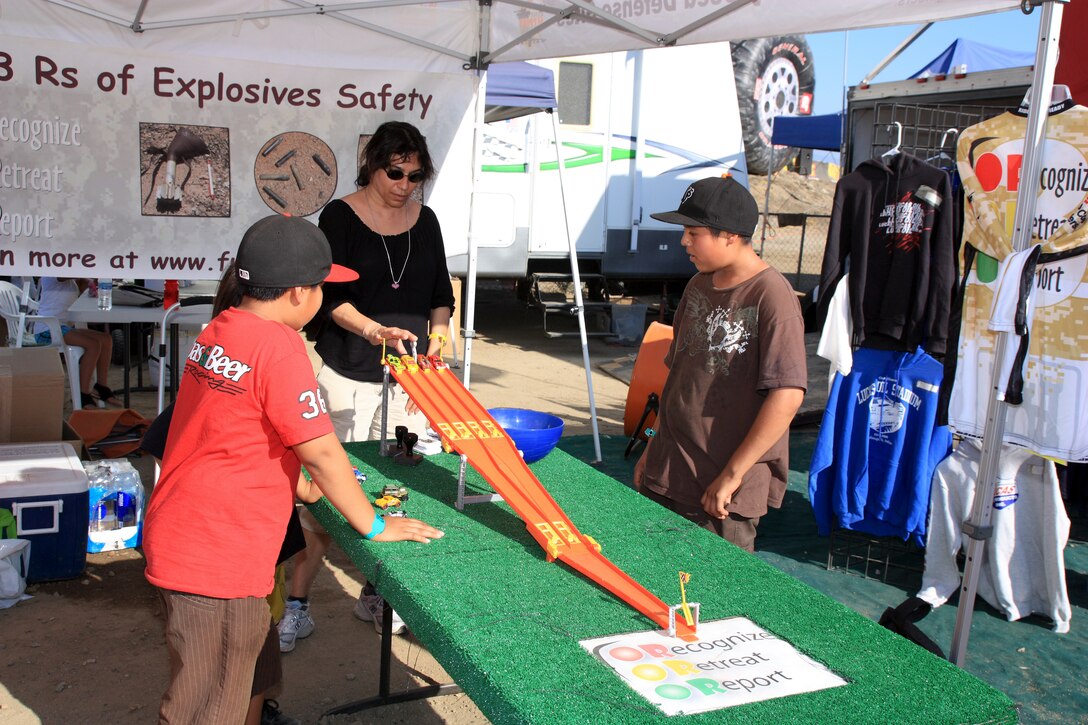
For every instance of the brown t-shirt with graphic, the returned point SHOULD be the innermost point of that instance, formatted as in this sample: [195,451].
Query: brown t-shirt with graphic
[730,346]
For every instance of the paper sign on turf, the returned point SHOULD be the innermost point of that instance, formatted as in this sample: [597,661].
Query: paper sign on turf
[732,662]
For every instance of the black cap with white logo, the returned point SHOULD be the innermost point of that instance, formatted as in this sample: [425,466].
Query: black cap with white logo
[718,203]
[286,251]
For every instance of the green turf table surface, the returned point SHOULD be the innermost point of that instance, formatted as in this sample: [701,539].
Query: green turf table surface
[506,624]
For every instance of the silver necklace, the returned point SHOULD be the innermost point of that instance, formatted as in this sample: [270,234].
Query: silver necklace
[389,259]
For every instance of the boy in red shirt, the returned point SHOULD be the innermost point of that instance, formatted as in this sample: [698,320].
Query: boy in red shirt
[248,415]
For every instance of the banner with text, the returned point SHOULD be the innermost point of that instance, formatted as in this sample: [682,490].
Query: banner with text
[733,662]
[130,164]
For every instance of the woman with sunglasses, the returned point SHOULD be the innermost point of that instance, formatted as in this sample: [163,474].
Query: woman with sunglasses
[403,294]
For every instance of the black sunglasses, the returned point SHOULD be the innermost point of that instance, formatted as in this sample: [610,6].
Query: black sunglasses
[396,174]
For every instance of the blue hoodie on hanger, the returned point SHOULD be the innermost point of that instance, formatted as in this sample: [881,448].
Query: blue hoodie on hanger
[879,445]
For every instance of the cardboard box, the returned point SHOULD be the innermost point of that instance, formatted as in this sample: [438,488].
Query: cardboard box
[69,436]
[32,385]
[45,487]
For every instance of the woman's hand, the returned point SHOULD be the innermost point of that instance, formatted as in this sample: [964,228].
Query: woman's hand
[394,337]
[404,529]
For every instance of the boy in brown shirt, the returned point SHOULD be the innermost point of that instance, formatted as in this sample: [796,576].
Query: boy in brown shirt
[737,373]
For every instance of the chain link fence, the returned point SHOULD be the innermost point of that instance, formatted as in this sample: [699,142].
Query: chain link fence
[793,243]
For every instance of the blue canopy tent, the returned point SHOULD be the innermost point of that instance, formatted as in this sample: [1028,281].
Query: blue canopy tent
[518,89]
[809,132]
[967,56]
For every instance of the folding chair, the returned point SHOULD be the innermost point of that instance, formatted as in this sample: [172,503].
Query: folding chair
[16,307]
[191,310]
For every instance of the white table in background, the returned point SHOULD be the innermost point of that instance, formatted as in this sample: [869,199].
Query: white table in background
[85,309]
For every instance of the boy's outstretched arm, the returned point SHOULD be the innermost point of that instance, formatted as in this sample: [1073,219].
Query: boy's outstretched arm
[328,464]
[772,421]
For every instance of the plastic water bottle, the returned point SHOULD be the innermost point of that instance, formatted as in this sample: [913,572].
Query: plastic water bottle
[104,513]
[105,294]
[129,492]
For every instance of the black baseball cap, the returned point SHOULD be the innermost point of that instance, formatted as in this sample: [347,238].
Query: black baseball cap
[287,251]
[717,202]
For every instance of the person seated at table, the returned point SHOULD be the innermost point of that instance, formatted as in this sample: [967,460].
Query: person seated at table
[248,415]
[57,295]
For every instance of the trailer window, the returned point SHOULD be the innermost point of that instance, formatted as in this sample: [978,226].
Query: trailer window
[575,84]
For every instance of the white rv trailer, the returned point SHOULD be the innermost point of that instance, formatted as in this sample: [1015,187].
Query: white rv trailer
[635,129]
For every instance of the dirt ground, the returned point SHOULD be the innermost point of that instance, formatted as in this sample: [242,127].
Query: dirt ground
[793,193]
[90,650]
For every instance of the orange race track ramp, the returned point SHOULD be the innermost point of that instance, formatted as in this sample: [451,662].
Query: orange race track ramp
[470,430]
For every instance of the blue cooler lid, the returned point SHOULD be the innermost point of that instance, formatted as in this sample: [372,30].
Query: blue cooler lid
[40,469]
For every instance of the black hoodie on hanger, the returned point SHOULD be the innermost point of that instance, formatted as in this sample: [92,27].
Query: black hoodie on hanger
[891,225]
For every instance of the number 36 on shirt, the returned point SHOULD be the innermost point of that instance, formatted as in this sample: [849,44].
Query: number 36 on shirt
[315,404]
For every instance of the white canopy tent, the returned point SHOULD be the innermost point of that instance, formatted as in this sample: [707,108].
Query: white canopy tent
[443,36]
[463,37]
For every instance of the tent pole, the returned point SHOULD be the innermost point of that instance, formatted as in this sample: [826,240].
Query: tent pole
[468,330]
[766,197]
[640,153]
[896,53]
[977,527]
[577,290]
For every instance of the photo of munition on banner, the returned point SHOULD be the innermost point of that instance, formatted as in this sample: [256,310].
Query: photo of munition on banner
[295,173]
[184,170]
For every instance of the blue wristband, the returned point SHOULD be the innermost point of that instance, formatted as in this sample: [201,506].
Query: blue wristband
[377,527]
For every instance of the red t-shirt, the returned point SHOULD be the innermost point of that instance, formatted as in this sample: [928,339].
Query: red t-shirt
[217,517]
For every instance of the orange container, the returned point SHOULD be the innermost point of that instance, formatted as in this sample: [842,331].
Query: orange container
[648,376]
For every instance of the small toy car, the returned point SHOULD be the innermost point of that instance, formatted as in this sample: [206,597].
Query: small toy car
[400,492]
[387,502]
[359,475]
[396,514]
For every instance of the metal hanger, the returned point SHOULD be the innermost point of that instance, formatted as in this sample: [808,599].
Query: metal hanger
[898,140]
[941,153]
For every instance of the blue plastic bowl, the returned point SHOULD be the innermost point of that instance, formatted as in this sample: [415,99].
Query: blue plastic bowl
[534,433]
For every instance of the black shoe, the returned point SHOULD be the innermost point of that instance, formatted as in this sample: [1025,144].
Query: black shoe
[106,395]
[271,715]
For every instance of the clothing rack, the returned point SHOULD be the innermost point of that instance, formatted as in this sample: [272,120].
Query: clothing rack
[925,128]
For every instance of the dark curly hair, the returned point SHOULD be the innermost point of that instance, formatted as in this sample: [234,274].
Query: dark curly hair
[394,140]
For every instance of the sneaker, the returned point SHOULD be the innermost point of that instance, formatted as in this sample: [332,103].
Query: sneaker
[271,715]
[371,608]
[296,624]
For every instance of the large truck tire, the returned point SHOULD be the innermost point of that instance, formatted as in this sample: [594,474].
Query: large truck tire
[774,77]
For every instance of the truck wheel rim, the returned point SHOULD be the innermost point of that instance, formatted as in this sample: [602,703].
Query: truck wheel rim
[779,92]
